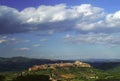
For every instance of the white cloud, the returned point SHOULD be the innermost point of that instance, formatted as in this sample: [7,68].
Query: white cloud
[43,39]
[24,49]
[113,20]
[68,36]
[13,39]
[2,41]
[8,40]
[4,37]
[37,45]
[48,20]
[113,40]
[83,18]
[61,12]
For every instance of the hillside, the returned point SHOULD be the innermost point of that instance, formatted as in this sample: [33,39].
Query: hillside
[63,74]
[105,65]
[29,69]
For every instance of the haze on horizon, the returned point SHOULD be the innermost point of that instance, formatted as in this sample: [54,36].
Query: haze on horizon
[60,29]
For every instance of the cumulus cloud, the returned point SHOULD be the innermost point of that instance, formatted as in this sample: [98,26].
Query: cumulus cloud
[83,18]
[113,20]
[10,21]
[113,40]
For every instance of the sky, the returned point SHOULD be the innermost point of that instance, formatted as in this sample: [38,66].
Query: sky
[60,29]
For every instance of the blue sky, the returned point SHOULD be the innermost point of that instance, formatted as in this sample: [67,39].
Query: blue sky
[60,29]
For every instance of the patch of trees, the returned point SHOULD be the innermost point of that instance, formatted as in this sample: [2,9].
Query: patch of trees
[32,78]
[2,78]
[108,80]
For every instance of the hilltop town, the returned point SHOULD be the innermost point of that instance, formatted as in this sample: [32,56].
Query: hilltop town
[58,65]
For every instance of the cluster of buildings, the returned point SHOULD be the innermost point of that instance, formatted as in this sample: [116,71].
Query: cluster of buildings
[59,65]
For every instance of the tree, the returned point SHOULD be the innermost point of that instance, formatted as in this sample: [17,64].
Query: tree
[2,78]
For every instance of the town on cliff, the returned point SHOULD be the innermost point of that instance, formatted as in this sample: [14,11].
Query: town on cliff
[58,65]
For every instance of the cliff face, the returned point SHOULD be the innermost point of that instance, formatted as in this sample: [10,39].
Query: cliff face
[59,65]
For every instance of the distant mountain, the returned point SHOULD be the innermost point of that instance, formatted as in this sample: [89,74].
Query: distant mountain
[23,63]
[101,60]
[105,65]
[14,59]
